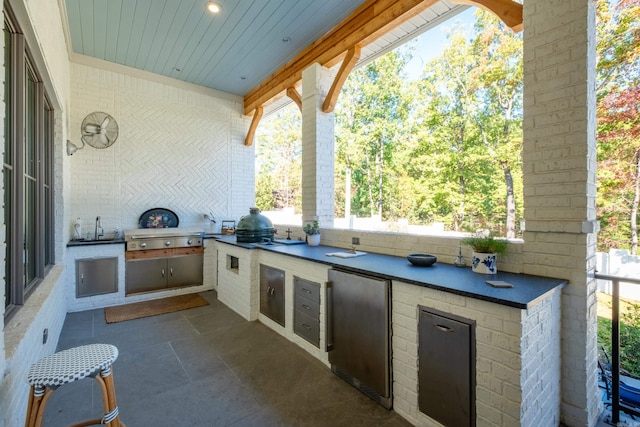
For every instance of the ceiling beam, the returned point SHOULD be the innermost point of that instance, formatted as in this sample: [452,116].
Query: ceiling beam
[371,20]
[508,11]
[368,22]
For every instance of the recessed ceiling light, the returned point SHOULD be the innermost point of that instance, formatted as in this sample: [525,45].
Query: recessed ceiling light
[286,40]
[213,7]
[243,77]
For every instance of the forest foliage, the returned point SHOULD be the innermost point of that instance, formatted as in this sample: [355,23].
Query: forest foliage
[446,147]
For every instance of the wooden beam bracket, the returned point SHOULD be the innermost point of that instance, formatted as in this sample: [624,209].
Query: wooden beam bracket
[508,11]
[350,60]
[254,125]
[295,96]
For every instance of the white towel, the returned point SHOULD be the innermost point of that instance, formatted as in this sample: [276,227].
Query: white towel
[346,254]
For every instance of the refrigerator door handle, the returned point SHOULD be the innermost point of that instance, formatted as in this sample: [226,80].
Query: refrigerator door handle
[329,315]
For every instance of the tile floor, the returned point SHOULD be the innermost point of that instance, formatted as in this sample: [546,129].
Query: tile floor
[207,366]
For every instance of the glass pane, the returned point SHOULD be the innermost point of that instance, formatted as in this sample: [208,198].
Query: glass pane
[30,193]
[30,152]
[48,187]
[8,183]
[6,171]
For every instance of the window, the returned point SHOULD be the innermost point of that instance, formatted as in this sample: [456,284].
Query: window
[27,171]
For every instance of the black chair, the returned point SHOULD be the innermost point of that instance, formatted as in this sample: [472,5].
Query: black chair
[629,394]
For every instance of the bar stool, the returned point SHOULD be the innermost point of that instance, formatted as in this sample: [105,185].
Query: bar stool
[64,367]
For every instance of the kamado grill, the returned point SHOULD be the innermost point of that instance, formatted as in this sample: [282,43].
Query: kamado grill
[254,228]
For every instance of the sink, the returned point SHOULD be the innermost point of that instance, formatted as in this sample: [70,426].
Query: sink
[95,242]
[288,242]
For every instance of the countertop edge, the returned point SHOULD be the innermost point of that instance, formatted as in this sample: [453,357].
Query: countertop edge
[552,284]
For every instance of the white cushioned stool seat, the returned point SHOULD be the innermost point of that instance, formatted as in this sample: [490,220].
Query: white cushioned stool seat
[67,366]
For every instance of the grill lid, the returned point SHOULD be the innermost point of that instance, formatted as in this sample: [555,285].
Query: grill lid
[254,227]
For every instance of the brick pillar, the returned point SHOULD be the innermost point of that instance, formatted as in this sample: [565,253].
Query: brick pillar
[559,163]
[317,147]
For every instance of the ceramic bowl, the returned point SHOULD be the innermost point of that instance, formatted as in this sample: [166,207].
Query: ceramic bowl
[422,260]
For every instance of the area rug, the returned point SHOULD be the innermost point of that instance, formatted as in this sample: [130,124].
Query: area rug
[138,310]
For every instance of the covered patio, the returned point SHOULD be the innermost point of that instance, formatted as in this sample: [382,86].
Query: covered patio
[559,164]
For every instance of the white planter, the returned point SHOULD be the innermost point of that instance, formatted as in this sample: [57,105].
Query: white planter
[484,263]
[313,239]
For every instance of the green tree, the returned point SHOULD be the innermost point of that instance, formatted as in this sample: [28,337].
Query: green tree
[369,127]
[279,160]
[618,112]
[468,126]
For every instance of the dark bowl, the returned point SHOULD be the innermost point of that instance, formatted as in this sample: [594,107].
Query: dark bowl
[422,260]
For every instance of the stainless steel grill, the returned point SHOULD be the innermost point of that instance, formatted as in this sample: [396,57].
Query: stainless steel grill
[162,238]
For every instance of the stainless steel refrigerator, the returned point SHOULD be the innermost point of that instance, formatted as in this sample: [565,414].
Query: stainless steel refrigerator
[358,315]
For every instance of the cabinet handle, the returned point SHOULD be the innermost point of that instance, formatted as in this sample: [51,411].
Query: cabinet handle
[306,307]
[162,271]
[443,328]
[82,278]
[171,272]
[304,325]
[273,291]
[329,315]
[306,290]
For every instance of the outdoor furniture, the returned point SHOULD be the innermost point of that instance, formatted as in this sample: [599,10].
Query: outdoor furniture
[55,370]
[629,388]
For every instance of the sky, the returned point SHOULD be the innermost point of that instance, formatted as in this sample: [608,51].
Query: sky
[432,43]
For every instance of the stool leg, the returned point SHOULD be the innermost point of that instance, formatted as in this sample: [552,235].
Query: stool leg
[43,405]
[38,397]
[111,415]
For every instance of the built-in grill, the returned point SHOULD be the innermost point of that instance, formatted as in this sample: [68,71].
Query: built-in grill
[162,238]
[254,228]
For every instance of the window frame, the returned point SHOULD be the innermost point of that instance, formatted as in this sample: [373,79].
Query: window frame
[27,259]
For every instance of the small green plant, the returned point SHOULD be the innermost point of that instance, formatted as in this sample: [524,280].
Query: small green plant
[312,228]
[486,244]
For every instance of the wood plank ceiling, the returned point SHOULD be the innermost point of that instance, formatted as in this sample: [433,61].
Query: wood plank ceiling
[234,51]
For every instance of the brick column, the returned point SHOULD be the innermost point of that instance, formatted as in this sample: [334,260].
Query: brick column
[559,163]
[317,147]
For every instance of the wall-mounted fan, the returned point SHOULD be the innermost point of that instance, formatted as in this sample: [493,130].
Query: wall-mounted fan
[99,130]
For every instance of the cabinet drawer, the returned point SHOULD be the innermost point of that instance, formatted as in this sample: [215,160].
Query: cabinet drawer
[306,307]
[307,288]
[307,327]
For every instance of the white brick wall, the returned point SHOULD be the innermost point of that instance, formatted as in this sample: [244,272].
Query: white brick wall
[23,339]
[239,288]
[516,380]
[559,167]
[318,141]
[176,149]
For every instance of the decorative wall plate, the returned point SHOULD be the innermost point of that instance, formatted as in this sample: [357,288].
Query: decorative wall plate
[158,218]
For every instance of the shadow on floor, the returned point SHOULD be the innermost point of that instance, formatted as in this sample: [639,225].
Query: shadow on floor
[207,366]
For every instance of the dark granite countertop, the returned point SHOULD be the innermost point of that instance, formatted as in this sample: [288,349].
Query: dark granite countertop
[527,290]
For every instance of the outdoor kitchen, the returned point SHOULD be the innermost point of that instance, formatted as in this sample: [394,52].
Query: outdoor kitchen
[142,206]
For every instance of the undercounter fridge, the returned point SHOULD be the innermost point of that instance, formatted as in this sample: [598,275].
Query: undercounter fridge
[358,338]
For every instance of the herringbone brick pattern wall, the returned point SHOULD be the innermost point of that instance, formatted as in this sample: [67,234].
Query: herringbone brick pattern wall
[177,149]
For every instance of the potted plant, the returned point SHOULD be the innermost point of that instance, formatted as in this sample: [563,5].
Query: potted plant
[312,231]
[486,249]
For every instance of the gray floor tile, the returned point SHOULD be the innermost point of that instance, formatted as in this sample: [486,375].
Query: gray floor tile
[208,366]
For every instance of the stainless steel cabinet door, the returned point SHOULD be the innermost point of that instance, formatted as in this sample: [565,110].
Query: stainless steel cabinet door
[184,270]
[272,293]
[360,329]
[446,368]
[146,275]
[96,276]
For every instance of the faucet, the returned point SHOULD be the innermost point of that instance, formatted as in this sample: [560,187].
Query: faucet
[98,227]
